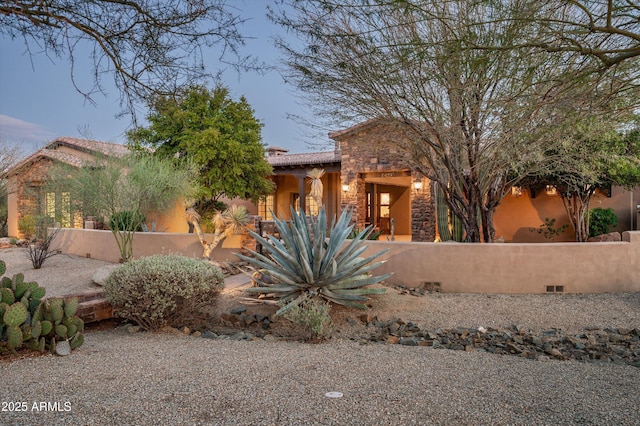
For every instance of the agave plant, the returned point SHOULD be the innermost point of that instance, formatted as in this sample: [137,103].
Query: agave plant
[305,264]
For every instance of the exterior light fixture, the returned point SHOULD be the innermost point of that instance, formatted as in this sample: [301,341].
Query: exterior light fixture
[551,190]
[417,185]
[516,191]
[345,187]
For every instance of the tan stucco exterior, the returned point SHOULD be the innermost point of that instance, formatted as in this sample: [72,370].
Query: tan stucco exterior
[514,268]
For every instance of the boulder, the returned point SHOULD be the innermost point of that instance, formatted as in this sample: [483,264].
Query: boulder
[611,236]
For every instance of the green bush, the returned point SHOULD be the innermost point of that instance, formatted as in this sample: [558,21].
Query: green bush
[161,290]
[126,221]
[27,226]
[313,315]
[601,221]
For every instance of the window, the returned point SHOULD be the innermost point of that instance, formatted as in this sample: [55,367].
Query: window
[385,202]
[57,206]
[311,207]
[266,207]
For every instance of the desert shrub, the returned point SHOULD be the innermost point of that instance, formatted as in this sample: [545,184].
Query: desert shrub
[126,221]
[601,221]
[161,290]
[313,315]
[27,226]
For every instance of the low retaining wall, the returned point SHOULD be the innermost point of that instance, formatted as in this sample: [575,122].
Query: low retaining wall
[453,267]
[102,245]
[513,267]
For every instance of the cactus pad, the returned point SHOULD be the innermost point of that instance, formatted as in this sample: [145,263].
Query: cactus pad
[21,289]
[3,267]
[63,348]
[38,292]
[47,326]
[77,341]
[61,331]
[70,307]
[6,282]
[37,314]
[17,279]
[7,296]
[15,315]
[36,330]
[14,337]
[55,308]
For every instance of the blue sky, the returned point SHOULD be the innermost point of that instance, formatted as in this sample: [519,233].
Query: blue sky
[39,103]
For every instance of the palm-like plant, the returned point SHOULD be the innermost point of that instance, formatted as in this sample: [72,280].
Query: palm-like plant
[305,264]
[316,185]
[227,223]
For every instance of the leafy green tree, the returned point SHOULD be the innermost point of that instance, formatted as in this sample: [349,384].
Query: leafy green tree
[137,184]
[220,136]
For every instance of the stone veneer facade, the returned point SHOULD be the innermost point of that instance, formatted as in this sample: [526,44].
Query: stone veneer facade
[372,147]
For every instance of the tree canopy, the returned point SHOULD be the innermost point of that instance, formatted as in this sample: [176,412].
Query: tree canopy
[478,120]
[220,136]
[148,46]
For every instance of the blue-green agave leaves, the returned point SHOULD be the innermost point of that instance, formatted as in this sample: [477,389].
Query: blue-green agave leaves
[305,262]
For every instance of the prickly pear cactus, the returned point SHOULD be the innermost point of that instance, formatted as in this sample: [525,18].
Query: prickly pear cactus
[28,320]
[3,267]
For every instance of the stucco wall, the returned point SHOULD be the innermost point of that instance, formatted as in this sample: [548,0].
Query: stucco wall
[515,216]
[102,245]
[515,268]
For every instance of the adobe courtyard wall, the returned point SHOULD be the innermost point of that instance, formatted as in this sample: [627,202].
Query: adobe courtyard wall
[515,267]
[101,245]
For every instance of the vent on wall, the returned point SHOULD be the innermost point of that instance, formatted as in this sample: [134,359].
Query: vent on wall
[555,289]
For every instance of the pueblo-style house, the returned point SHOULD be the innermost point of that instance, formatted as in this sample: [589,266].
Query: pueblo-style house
[365,171]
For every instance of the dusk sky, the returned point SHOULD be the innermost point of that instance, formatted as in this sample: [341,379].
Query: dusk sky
[39,103]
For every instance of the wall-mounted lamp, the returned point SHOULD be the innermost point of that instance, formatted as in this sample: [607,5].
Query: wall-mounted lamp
[417,185]
[345,187]
[516,191]
[551,190]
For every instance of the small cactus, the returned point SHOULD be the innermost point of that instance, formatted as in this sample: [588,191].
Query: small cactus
[3,267]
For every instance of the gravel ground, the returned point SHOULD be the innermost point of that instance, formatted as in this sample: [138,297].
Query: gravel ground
[160,378]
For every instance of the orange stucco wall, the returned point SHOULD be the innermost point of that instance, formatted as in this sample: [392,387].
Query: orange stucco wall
[517,215]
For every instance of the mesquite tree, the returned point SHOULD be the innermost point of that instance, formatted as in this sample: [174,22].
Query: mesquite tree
[476,120]
[149,47]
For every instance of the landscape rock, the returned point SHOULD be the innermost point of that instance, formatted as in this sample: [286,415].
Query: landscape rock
[610,237]
[103,273]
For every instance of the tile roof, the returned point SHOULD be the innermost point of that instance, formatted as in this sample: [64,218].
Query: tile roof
[85,145]
[305,158]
